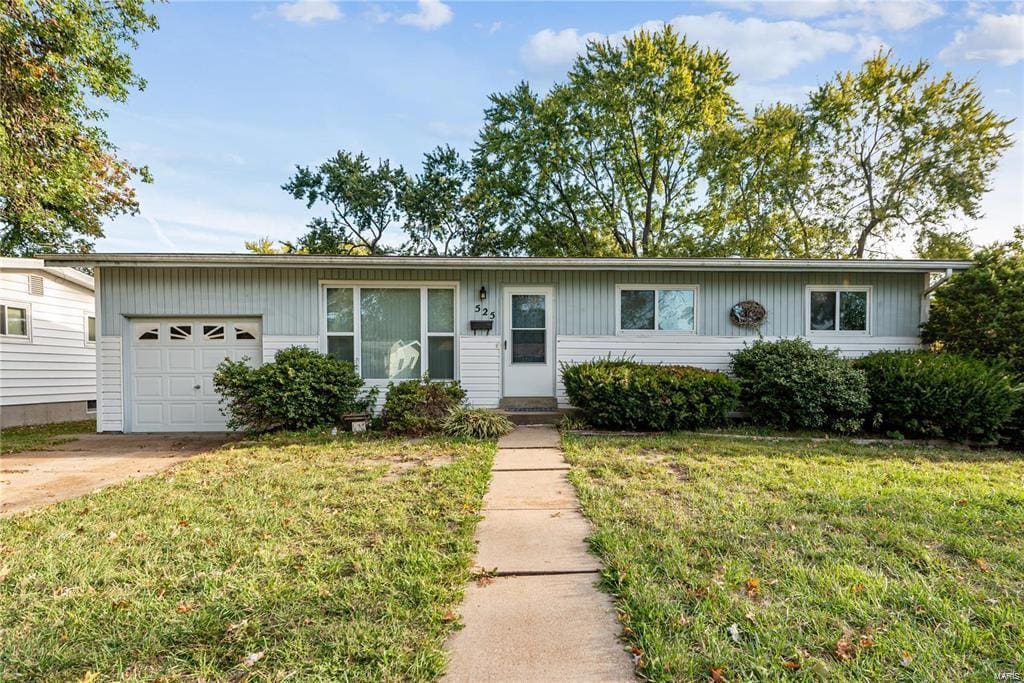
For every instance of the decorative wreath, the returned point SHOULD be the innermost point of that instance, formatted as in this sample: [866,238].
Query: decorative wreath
[747,314]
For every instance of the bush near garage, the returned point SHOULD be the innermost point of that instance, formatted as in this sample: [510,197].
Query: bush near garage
[301,389]
[624,394]
[418,407]
[792,385]
[922,393]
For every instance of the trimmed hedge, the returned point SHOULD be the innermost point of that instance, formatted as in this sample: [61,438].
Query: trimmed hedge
[623,394]
[921,393]
[300,389]
[792,385]
[417,407]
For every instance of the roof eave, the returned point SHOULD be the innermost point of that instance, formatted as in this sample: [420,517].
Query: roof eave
[491,263]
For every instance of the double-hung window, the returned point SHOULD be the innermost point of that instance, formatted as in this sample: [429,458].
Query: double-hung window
[392,332]
[90,330]
[838,309]
[656,308]
[14,320]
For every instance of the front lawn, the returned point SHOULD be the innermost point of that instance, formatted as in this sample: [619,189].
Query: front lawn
[38,437]
[302,559]
[737,559]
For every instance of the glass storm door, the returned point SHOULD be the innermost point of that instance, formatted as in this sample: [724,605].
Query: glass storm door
[528,346]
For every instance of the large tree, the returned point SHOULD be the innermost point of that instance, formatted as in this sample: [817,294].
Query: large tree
[60,176]
[897,152]
[361,200]
[605,163]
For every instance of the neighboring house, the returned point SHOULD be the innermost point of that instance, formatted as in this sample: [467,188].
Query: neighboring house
[47,343]
[501,326]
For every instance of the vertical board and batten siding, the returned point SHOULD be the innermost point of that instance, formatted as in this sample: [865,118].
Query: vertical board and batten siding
[56,364]
[287,301]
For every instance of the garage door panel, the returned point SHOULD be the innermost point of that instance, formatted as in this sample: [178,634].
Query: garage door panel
[182,387]
[149,415]
[149,386]
[148,360]
[211,358]
[181,359]
[182,414]
[166,369]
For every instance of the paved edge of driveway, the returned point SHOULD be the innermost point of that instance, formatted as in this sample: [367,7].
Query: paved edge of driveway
[538,616]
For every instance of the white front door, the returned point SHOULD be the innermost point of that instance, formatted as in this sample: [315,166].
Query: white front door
[528,344]
[170,370]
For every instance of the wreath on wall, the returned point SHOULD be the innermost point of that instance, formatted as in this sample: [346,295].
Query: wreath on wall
[747,313]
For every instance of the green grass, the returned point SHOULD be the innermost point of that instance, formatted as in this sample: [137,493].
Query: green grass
[338,560]
[833,560]
[36,437]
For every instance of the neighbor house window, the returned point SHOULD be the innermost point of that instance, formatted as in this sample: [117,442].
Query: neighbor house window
[14,321]
[667,308]
[392,332]
[838,309]
[90,329]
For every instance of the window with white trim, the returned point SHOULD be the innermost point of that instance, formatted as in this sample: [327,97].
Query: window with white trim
[838,309]
[14,320]
[656,308]
[392,332]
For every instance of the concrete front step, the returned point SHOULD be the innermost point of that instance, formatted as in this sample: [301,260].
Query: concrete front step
[528,402]
[541,417]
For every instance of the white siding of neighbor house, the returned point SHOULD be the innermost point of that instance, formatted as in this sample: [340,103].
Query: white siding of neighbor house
[55,364]
[710,353]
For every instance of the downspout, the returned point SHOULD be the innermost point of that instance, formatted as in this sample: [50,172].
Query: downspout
[926,295]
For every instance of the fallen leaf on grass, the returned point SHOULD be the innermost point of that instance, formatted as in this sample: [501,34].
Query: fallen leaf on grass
[4,571]
[449,616]
[905,658]
[638,656]
[253,658]
[89,677]
[791,664]
[857,588]
[111,537]
[718,675]
[982,564]
[844,648]
[734,633]
[184,608]
[753,587]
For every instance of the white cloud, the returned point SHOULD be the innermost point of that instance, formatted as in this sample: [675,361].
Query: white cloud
[429,15]
[997,38]
[377,15]
[758,49]
[868,15]
[309,11]
[549,47]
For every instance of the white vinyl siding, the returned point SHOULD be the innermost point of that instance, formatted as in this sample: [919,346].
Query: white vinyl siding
[52,363]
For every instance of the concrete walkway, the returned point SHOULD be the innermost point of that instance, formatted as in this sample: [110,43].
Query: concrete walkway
[541,618]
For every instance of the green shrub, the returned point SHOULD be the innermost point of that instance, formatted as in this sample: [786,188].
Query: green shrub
[980,312]
[622,394]
[476,423]
[922,393]
[792,385]
[300,389]
[418,407]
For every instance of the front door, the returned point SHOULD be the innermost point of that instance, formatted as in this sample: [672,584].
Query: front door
[528,345]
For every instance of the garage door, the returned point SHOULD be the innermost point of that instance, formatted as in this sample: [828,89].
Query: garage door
[170,371]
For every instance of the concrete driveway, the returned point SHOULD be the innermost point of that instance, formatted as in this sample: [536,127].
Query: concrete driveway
[33,479]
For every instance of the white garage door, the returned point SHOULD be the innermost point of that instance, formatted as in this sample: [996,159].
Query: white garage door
[171,371]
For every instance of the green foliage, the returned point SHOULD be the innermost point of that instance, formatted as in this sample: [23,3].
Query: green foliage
[896,149]
[947,245]
[476,423]
[362,201]
[605,163]
[418,407]
[923,393]
[623,394]
[760,175]
[300,389]
[980,312]
[60,176]
[790,384]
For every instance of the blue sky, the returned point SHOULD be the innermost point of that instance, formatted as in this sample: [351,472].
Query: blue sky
[240,92]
